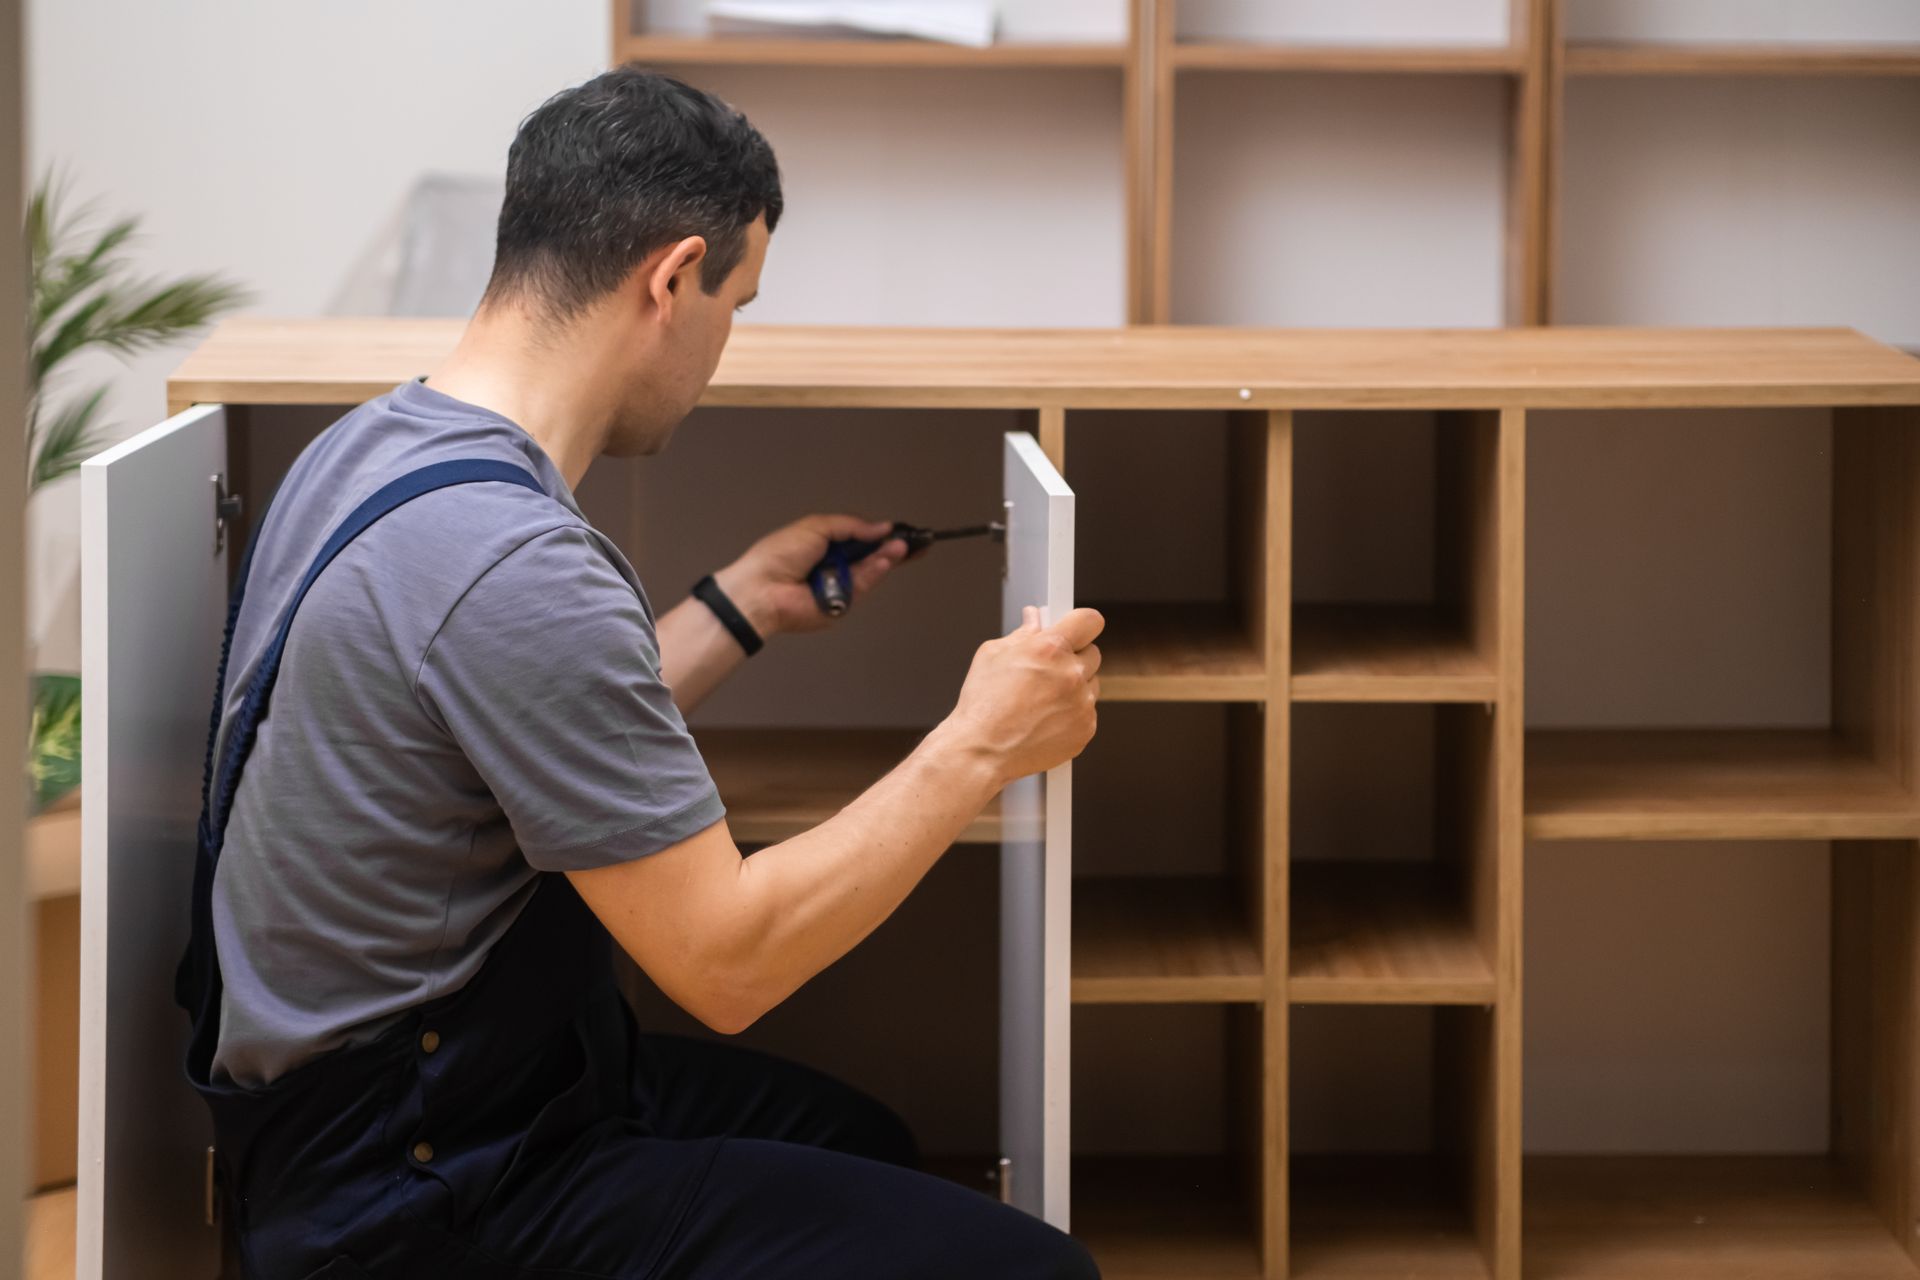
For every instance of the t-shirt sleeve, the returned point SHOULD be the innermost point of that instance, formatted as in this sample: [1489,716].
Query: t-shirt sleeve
[546,673]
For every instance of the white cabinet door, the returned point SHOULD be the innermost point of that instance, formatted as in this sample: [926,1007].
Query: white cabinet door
[1035,866]
[153,595]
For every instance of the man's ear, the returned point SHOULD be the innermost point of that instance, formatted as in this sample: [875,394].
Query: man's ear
[676,271]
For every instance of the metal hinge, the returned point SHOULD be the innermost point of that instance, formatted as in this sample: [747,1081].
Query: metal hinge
[1004,1177]
[212,1182]
[1006,523]
[226,509]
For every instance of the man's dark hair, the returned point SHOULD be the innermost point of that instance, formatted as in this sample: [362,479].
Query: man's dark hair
[603,174]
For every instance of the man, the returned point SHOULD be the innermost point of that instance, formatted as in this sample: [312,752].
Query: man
[475,769]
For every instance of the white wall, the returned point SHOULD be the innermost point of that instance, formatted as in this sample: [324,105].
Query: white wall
[272,141]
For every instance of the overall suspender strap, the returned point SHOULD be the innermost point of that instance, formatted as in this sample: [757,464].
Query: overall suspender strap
[253,706]
[197,984]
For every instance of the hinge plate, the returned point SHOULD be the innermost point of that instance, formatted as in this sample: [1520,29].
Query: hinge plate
[227,507]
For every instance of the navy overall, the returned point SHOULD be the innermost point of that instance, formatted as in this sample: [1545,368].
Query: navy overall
[523,1126]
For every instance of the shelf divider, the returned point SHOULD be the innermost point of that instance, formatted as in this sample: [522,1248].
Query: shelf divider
[1274,575]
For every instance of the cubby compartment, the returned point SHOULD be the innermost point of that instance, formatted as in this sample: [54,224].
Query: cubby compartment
[1397,556]
[1393,868]
[1209,32]
[1174,525]
[1391,1147]
[814,720]
[1372,200]
[1734,1090]
[1707,38]
[1805,217]
[1170,872]
[1168,1126]
[1721,620]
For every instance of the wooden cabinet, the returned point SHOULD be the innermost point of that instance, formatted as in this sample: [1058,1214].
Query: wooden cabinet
[1291,1036]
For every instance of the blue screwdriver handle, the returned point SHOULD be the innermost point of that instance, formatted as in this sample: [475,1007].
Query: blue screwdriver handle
[832,578]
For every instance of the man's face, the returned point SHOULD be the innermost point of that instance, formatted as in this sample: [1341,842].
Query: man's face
[673,372]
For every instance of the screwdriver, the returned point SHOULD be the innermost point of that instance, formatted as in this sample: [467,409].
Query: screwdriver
[832,578]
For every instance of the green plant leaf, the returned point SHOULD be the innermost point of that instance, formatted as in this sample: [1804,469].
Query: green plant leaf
[83,296]
[150,313]
[53,756]
[66,440]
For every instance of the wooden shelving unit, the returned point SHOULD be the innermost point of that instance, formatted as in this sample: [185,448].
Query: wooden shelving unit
[1264,921]
[1154,61]
[1151,62]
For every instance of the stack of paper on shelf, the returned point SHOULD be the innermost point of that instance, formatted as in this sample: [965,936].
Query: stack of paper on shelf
[969,22]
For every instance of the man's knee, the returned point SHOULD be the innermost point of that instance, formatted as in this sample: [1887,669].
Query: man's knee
[877,1131]
[1069,1260]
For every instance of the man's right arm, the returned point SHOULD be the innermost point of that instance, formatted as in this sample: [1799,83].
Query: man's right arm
[728,938]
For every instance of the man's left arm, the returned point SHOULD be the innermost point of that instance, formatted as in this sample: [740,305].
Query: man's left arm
[768,585]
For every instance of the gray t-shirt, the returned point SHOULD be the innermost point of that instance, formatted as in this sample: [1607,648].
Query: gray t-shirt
[470,694]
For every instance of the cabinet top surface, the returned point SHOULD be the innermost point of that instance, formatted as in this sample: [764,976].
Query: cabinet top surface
[345,361]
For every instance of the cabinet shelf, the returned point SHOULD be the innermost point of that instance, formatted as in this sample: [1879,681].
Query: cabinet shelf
[1373,1217]
[1385,653]
[1227,55]
[1781,1217]
[777,783]
[1715,784]
[1178,653]
[1647,58]
[1161,940]
[1381,933]
[1164,1218]
[693,50]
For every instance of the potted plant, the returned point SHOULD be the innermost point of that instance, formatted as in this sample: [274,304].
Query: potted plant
[83,295]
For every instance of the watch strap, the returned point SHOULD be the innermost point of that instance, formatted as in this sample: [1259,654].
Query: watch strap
[708,592]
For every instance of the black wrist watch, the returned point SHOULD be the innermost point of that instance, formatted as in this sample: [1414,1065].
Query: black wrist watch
[708,592]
